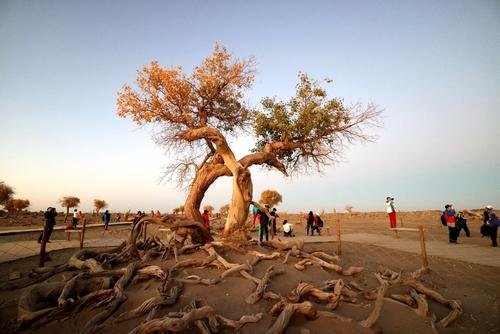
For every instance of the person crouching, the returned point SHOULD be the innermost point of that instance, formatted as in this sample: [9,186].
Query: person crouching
[287,229]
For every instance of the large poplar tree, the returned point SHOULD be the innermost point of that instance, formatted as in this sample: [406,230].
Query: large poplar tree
[197,112]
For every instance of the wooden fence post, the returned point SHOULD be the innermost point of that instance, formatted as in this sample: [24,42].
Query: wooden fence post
[339,241]
[43,244]
[423,250]
[82,235]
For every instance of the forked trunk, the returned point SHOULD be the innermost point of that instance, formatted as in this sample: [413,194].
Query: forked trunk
[211,171]
[205,177]
[242,180]
[240,202]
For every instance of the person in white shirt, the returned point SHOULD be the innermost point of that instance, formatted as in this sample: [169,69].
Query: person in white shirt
[391,211]
[287,229]
[74,222]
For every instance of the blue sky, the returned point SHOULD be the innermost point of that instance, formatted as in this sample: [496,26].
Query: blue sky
[433,66]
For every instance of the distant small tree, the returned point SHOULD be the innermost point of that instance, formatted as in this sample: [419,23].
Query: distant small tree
[6,193]
[99,204]
[349,208]
[69,202]
[224,210]
[17,205]
[271,197]
[209,208]
[179,210]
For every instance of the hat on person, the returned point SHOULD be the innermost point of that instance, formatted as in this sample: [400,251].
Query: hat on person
[489,207]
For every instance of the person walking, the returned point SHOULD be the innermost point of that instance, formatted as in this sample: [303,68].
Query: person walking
[310,223]
[462,224]
[449,216]
[50,221]
[391,211]
[106,217]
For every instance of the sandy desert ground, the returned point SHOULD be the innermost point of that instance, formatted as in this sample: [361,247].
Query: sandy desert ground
[475,285]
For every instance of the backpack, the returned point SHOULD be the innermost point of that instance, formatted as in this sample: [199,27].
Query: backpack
[485,230]
[443,220]
[320,222]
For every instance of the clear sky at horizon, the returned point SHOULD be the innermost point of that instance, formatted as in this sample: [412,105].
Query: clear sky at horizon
[434,67]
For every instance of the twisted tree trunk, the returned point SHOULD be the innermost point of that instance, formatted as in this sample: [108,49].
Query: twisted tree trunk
[239,169]
[204,178]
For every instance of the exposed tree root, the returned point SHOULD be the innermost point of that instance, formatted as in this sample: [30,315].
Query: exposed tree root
[194,279]
[146,307]
[237,269]
[181,321]
[392,278]
[85,259]
[38,301]
[304,290]
[199,262]
[301,265]
[115,301]
[405,299]
[287,311]
[285,245]
[255,296]
[379,302]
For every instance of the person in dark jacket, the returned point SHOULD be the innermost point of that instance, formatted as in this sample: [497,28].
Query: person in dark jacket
[310,223]
[494,223]
[106,218]
[462,224]
[486,213]
[264,225]
[50,221]
[451,222]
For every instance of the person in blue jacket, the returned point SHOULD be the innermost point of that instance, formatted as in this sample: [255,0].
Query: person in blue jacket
[106,218]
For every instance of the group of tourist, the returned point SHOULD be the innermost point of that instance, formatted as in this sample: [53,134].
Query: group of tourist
[456,222]
[265,219]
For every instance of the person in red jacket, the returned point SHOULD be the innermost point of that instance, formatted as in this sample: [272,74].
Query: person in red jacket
[451,222]
[206,220]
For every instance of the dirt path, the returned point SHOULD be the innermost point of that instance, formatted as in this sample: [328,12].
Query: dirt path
[472,253]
